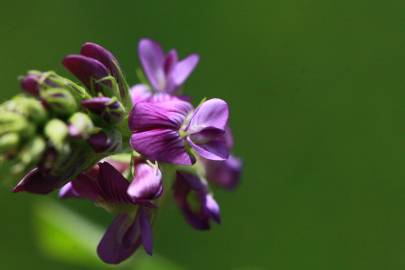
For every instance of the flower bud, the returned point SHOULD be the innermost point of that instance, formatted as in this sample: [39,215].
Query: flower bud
[29,107]
[59,100]
[110,109]
[30,84]
[56,131]
[80,125]
[9,141]
[105,142]
[14,122]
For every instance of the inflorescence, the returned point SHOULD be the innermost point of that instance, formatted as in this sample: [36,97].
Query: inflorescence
[122,147]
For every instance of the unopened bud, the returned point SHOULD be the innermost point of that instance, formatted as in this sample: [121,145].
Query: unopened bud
[9,141]
[80,126]
[59,100]
[56,131]
[110,109]
[29,107]
[14,122]
[105,142]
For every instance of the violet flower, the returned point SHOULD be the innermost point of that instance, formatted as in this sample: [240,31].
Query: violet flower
[165,72]
[204,208]
[166,131]
[107,187]
[93,64]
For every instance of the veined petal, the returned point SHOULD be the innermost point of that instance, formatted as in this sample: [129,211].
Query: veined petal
[147,183]
[37,182]
[213,113]
[169,113]
[212,150]
[113,185]
[152,59]
[163,145]
[183,69]
[87,70]
[120,240]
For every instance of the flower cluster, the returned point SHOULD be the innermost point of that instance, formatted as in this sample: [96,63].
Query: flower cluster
[124,148]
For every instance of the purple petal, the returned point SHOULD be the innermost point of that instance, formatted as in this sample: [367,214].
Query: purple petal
[163,145]
[113,185]
[37,182]
[185,184]
[100,142]
[87,70]
[152,59]
[170,61]
[213,150]
[96,104]
[212,113]
[183,69]
[213,208]
[120,240]
[139,93]
[83,187]
[146,231]
[166,114]
[225,174]
[147,183]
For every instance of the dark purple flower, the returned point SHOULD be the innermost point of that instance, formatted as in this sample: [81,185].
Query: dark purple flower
[165,72]
[93,64]
[165,131]
[107,187]
[110,109]
[199,212]
[102,141]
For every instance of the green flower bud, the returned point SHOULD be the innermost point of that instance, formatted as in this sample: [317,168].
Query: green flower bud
[59,100]
[29,107]
[56,131]
[9,142]
[14,122]
[80,125]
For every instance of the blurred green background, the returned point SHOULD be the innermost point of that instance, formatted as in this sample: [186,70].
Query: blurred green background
[317,99]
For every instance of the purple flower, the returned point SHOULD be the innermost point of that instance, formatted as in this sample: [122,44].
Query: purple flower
[107,187]
[165,72]
[39,182]
[167,130]
[199,212]
[225,174]
[95,63]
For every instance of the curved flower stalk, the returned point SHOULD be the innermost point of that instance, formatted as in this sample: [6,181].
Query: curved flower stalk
[62,135]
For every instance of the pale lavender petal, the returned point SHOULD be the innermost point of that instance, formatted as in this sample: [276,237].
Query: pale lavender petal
[139,93]
[213,208]
[152,59]
[113,184]
[147,183]
[146,231]
[225,174]
[183,69]
[213,150]
[163,145]
[37,182]
[213,113]
[67,191]
[166,114]
[119,241]
[87,70]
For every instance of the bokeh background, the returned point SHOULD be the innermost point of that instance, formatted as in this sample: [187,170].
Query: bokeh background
[317,95]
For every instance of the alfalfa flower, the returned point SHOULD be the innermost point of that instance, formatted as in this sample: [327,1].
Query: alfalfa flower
[167,131]
[131,202]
